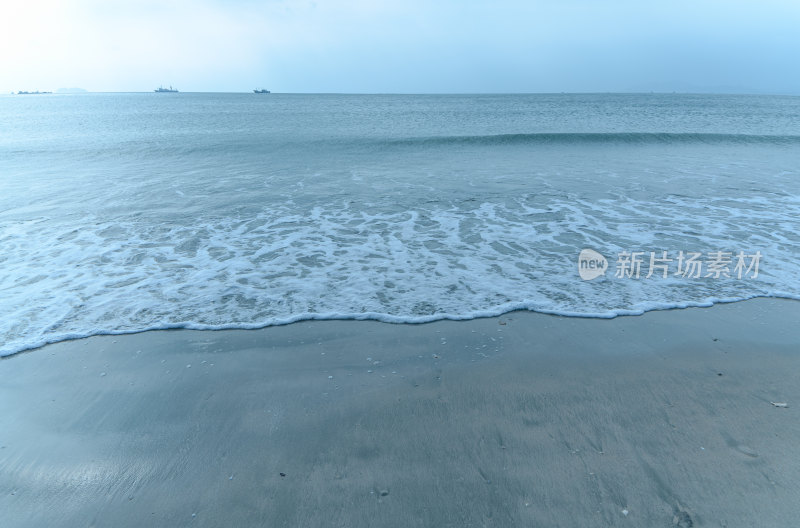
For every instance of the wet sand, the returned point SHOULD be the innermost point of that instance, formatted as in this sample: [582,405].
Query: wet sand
[665,419]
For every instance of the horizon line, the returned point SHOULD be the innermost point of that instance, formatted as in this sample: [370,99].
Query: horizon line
[647,92]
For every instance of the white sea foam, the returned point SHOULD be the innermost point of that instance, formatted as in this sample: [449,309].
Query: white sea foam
[454,261]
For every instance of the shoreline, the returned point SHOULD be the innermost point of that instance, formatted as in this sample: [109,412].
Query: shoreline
[664,419]
[391,319]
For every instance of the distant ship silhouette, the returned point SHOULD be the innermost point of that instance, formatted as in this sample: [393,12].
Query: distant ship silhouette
[161,89]
[261,90]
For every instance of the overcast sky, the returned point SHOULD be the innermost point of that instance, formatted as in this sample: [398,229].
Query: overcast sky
[402,46]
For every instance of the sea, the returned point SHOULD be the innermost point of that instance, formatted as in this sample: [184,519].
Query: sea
[121,213]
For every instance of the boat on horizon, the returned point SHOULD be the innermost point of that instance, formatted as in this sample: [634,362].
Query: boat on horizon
[37,92]
[261,90]
[161,89]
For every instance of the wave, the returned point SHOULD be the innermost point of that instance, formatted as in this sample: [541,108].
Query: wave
[258,145]
[343,259]
[584,138]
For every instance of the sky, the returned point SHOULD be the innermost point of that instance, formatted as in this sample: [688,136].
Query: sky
[402,46]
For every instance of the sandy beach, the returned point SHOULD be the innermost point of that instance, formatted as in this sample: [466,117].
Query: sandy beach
[666,419]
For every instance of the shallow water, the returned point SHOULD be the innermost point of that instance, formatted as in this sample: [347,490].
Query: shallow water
[125,212]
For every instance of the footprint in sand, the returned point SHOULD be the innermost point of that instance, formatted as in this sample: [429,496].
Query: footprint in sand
[743,449]
[746,450]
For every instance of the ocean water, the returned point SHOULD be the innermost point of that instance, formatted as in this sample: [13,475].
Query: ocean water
[126,212]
